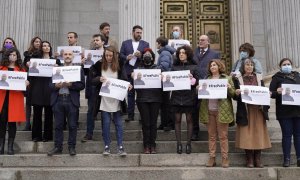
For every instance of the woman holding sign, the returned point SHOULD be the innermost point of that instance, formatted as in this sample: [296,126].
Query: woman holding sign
[287,115]
[148,103]
[99,72]
[184,101]
[217,114]
[40,94]
[251,133]
[11,101]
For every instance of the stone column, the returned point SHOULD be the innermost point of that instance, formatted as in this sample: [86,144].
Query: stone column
[241,25]
[18,21]
[141,12]
[282,29]
[47,20]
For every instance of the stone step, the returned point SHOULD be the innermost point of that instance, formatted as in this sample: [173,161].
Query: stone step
[93,147]
[131,160]
[136,135]
[149,173]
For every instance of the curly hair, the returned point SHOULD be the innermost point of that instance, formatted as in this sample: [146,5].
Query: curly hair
[188,51]
[5,59]
[220,65]
[247,47]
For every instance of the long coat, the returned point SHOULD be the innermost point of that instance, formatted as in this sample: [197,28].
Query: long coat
[16,111]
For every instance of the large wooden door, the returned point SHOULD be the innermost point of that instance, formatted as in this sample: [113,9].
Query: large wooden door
[197,17]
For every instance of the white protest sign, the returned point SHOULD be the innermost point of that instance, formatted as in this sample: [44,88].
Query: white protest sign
[291,94]
[212,89]
[41,67]
[255,95]
[176,43]
[66,74]
[176,80]
[92,56]
[114,88]
[13,80]
[147,78]
[75,49]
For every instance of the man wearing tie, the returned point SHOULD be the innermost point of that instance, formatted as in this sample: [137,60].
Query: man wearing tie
[202,56]
[131,52]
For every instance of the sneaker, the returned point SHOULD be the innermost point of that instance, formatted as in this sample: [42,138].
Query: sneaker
[106,151]
[121,152]
[86,138]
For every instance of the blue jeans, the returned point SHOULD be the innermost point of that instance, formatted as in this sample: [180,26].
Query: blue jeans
[290,127]
[106,119]
[61,109]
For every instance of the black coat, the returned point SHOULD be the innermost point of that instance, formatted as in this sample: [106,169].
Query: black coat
[95,73]
[284,111]
[185,97]
[149,95]
[241,112]
[38,90]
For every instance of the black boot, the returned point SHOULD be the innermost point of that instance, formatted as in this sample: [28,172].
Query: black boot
[179,148]
[2,143]
[10,149]
[188,148]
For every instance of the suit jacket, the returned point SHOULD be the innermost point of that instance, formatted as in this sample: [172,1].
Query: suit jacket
[127,49]
[203,61]
[74,89]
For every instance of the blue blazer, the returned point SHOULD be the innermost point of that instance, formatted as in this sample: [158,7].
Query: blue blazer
[74,91]
[127,49]
[203,61]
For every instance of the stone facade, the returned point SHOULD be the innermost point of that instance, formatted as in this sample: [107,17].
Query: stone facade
[271,25]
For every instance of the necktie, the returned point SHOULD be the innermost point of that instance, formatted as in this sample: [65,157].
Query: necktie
[202,52]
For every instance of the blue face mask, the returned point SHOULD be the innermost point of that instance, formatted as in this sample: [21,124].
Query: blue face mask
[286,69]
[244,55]
[176,35]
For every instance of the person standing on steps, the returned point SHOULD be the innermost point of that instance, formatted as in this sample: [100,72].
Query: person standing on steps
[65,102]
[131,54]
[251,131]
[11,101]
[217,114]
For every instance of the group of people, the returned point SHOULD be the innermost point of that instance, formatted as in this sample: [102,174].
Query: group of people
[61,100]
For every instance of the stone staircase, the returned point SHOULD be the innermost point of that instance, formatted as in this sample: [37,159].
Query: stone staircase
[31,162]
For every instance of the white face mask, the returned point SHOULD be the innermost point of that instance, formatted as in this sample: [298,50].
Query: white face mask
[286,69]
[244,55]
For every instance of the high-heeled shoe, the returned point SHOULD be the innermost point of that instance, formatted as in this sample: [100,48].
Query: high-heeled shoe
[179,148]
[188,148]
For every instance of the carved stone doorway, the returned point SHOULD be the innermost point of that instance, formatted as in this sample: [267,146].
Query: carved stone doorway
[197,17]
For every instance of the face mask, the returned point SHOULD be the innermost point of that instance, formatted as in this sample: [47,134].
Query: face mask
[244,55]
[176,35]
[147,60]
[286,69]
[8,46]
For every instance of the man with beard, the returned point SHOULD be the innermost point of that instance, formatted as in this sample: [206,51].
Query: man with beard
[139,80]
[109,40]
[131,56]
[168,82]
[287,96]
[65,103]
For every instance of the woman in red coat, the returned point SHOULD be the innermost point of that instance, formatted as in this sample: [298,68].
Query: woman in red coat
[11,102]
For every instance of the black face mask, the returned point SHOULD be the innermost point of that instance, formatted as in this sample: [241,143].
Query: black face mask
[147,60]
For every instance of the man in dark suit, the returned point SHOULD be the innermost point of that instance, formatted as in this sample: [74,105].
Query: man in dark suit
[130,54]
[65,103]
[202,56]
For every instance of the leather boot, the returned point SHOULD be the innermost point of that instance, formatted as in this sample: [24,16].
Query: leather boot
[257,159]
[211,162]
[249,158]
[2,143]
[10,149]
[225,162]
